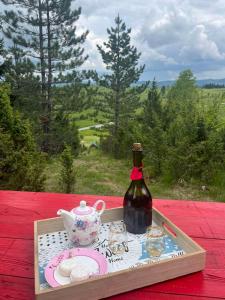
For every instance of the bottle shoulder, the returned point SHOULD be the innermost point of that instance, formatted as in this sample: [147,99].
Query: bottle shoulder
[138,187]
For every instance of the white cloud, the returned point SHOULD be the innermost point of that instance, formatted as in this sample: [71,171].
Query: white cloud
[171,34]
[166,30]
[154,57]
[198,46]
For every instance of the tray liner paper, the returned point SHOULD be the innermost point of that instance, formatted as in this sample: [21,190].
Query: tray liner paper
[51,244]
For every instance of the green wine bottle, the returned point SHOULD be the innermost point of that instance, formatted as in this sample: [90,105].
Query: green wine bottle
[137,200]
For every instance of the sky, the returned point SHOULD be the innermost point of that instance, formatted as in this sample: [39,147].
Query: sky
[172,35]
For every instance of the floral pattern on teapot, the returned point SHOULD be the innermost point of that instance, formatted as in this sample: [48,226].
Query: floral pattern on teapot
[83,223]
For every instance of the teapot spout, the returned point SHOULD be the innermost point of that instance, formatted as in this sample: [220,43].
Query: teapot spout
[66,215]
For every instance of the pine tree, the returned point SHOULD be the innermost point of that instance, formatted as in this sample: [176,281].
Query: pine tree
[45,31]
[163,90]
[182,96]
[21,166]
[2,63]
[152,107]
[121,60]
[195,148]
[154,136]
[2,52]
[67,174]
[25,87]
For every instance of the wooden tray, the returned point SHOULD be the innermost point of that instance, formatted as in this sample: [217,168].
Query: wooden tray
[122,281]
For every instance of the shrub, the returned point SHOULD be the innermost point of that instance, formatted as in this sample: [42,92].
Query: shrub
[21,165]
[67,174]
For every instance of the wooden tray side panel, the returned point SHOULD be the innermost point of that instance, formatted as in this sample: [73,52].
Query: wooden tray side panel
[181,238]
[50,225]
[128,280]
[111,215]
[36,268]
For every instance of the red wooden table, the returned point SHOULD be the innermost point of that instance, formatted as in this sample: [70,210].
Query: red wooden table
[203,221]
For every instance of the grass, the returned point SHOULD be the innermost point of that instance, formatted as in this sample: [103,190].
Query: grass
[96,174]
[89,139]
[85,123]
[90,136]
[99,174]
[88,117]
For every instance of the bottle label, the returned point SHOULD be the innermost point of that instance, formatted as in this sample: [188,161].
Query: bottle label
[136,173]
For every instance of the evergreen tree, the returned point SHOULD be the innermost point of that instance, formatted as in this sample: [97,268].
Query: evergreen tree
[2,62]
[25,87]
[64,131]
[152,107]
[163,90]
[180,118]
[121,60]
[67,174]
[181,106]
[195,149]
[181,97]
[153,133]
[21,166]
[3,65]
[184,87]
[46,32]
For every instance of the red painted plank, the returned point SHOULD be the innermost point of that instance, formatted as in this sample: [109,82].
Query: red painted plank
[19,259]
[35,200]
[23,289]
[4,246]
[215,255]
[209,283]
[195,218]
[15,288]
[25,207]
[199,219]
[149,295]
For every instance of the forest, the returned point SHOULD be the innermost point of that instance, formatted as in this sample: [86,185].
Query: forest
[67,129]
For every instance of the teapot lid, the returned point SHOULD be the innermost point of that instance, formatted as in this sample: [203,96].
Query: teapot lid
[83,209]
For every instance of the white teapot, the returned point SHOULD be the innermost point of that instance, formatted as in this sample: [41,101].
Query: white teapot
[83,222]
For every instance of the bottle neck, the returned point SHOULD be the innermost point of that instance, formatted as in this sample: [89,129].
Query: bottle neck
[137,158]
[137,174]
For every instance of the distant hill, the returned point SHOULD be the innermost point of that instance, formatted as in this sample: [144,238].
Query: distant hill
[200,82]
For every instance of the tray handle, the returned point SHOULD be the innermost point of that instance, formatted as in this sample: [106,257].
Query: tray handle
[182,239]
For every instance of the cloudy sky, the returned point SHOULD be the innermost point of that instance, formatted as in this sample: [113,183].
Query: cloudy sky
[171,34]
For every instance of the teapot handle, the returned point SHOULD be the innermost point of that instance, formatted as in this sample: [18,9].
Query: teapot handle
[103,206]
